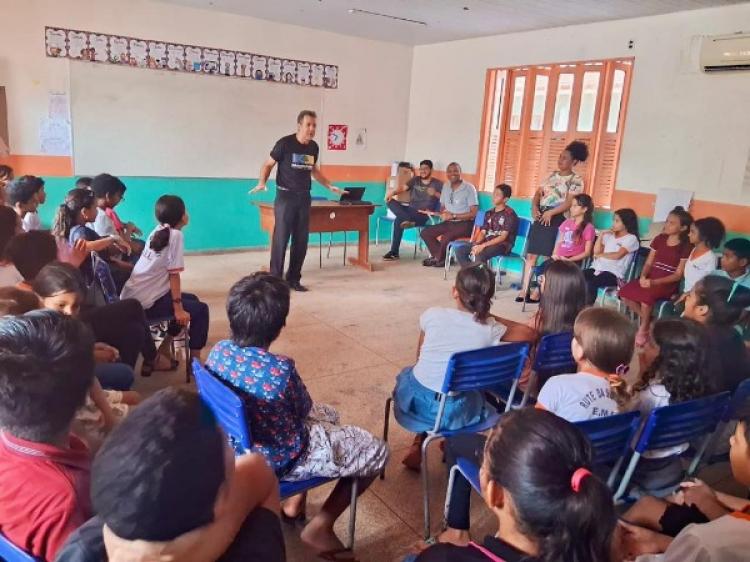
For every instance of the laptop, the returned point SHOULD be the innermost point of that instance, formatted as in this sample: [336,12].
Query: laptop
[353,196]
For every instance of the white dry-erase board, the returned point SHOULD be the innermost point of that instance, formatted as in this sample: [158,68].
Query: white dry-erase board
[140,122]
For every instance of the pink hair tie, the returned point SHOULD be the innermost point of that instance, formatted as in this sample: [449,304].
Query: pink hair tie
[622,369]
[577,478]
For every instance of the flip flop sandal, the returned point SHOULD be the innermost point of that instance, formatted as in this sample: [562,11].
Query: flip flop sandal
[333,555]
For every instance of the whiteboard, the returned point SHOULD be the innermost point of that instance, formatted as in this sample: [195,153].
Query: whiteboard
[140,122]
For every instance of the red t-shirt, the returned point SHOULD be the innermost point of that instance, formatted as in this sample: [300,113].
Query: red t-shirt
[44,493]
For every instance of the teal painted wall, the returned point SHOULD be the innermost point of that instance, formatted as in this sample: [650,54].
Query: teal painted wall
[223,217]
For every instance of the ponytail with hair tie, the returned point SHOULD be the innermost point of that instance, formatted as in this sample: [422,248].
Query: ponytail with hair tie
[578,475]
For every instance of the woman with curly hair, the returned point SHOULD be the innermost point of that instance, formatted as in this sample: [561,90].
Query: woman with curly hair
[675,368]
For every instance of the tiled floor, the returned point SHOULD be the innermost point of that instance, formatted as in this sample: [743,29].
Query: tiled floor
[350,336]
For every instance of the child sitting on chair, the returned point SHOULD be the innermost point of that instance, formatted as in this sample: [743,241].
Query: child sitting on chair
[299,438]
[445,331]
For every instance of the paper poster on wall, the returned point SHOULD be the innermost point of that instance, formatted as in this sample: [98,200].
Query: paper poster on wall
[99,47]
[118,50]
[156,55]
[226,61]
[360,140]
[54,136]
[59,105]
[337,137]
[668,199]
[56,40]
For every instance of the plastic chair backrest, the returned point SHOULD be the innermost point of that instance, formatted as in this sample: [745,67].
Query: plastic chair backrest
[103,276]
[522,236]
[679,423]
[636,263]
[12,553]
[739,402]
[485,369]
[226,405]
[610,436]
[478,222]
[553,355]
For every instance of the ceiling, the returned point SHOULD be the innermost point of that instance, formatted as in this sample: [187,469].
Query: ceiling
[446,20]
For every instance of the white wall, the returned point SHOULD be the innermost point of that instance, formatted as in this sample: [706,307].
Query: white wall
[684,128]
[370,71]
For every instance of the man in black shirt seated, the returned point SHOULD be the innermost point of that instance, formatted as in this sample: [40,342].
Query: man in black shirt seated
[166,484]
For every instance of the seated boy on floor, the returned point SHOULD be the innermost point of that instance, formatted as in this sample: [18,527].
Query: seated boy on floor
[706,525]
[46,369]
[181,494]
[299,438]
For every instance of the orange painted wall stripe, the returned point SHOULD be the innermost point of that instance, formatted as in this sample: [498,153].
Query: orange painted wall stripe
[341,172]
[39,165]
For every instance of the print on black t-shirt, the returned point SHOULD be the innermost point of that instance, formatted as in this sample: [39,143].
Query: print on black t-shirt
[295,163]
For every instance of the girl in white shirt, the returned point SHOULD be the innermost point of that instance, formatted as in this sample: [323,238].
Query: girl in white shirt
[445,331]
[614,251]
[155,280]
[603,344]
[706,235]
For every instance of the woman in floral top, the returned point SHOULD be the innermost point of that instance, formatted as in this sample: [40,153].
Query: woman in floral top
[301,439]
[549,205]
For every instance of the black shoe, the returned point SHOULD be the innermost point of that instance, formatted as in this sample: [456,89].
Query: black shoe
[299,287]
[438,264]
[429,262]
[390,256]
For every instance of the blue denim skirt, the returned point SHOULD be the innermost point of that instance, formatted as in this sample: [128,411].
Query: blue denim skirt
[421,404]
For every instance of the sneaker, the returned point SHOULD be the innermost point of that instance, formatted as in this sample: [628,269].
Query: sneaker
[408,224]
[299,287]
[429,262]
[390,256]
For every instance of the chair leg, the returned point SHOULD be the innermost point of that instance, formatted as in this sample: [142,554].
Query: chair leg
[188,362]
[449,490]
[626,477]
[448,257]
[345,247]
[425,485]
[386,422]
[693,468]
[330,243]
[353,513]
[377,231]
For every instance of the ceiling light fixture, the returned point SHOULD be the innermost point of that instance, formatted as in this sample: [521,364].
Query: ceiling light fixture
[388,16]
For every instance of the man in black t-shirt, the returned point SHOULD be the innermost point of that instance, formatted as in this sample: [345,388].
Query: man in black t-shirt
[297,157]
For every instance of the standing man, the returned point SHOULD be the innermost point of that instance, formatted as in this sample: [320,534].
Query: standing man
[424,191]
[458,203]
[297,157]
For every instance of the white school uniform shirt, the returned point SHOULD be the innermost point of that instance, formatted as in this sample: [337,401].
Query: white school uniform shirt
[696,269]
[655,395]
[102,224]
[613,244]
[448,331]
[30,221]
[9,276]
[150,278]
[726,539]
[578,397]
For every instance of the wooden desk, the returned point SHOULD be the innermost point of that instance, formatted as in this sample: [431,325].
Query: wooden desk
[330,216]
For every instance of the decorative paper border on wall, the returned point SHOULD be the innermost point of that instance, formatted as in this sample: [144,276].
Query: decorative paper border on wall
[159,55]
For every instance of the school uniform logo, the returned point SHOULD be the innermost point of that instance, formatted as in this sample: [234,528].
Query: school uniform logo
[303,161]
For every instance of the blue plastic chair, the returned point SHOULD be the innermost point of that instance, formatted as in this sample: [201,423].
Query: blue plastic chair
[103,278]
[610,439]
[451,251]
[633,271]
[738,405]
[483,370]
[229,410]
[518,252]
[12,553]
[553,357]
[676,424]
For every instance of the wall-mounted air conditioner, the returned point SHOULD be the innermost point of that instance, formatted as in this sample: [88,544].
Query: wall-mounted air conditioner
[725,53]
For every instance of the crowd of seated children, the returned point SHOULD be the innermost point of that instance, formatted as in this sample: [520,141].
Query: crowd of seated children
[24,195]
[78,209]
[575,239]
[6,176]
[46,370]
[423,193]
[706,235]
[614,251]
[537,478]
[719,303]
[10,225]
[443,332]
[155,280]
[209,507]
[497,234]
[300,438]
[109,192]
[549,206]
[697,523]
[662,272]
[674,367]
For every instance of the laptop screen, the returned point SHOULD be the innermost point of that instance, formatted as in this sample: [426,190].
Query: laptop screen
[353,194]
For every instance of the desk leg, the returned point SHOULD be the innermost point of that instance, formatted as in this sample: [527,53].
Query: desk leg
[363,255]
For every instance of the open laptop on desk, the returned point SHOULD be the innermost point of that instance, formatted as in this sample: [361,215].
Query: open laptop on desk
[353,196]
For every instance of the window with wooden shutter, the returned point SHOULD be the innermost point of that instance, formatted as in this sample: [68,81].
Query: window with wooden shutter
[532,113]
